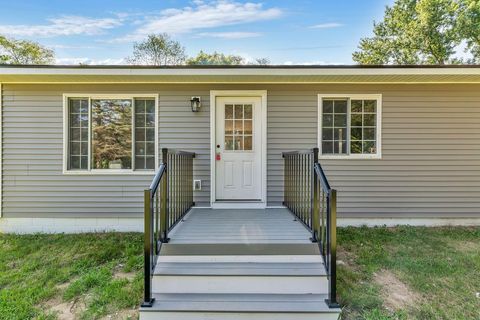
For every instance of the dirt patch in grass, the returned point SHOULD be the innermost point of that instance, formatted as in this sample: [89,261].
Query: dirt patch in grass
[65,310]
[63,286]
[124,275]
[125,314]
[466,246]
[396,295]
[345,258]
[120,274]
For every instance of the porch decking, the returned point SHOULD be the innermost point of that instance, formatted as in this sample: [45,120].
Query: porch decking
[244,226]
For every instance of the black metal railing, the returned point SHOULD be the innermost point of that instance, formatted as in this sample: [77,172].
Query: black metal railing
[166,201]
[298,175]
[308,195]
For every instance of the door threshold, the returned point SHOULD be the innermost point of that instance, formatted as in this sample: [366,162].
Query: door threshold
[238,201]
[239,205]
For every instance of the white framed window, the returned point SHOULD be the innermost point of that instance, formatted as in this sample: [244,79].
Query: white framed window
[349,126]
[110,134]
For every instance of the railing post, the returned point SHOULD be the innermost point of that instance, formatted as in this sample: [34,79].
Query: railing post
[164,197]
[315,200]
[148,250]
[191,180]
[332,250]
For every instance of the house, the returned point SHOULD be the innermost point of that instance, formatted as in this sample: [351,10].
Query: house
[97,148]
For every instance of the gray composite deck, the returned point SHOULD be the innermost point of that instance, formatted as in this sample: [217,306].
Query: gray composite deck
[203,226]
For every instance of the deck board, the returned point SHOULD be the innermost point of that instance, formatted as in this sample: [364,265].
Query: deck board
[203,226]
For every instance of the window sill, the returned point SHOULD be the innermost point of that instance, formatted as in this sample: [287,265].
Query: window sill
[108,172]
[353,157]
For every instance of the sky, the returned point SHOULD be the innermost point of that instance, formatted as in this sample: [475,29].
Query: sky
[284,31]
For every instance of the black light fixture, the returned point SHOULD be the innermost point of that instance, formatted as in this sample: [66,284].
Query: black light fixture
[196,104]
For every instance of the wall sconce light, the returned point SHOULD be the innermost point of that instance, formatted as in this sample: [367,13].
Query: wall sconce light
[196,104]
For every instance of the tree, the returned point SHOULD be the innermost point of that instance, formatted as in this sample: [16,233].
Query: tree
[24,52]
[468,25]
[112,133]
[158,50]
[215,58]
[262,61]
[413,32]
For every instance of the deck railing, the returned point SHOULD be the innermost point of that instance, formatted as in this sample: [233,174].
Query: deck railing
[308,195]
[166,201]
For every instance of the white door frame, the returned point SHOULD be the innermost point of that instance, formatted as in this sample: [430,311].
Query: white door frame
[213,101]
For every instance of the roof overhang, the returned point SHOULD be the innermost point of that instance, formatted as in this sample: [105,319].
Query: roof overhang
[240,74]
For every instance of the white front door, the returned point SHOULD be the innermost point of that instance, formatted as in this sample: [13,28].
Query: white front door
[238,148]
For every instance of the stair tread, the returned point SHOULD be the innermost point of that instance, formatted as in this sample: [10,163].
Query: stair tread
[239,249]
[240,269]
[301,303]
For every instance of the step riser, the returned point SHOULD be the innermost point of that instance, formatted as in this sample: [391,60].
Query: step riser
[235,316]
[240,284]
[243,259]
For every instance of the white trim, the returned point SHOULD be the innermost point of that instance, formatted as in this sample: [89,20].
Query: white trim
[392,222]
[90,171]
[1,150]
[70,225]
[78,225]
[275,71]
[238,205]
[267,207]
[237,93]
[378,98]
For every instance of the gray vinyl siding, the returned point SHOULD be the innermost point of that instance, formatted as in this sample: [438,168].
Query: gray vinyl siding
[430,163]
[33,182]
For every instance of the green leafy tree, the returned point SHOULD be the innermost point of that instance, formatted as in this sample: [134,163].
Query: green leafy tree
[215,58]
[14,51]
[468,26]
[413,32]
[158,50]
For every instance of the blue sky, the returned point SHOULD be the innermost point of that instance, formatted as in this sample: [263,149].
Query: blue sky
[285,31]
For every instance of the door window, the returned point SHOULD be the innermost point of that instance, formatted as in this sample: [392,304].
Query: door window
[238,127]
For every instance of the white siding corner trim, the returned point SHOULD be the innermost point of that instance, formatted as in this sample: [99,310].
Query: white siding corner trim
[238,93]
[66,130]
[378,98]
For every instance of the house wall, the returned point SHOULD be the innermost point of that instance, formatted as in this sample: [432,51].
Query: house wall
[430,165]
[34,185]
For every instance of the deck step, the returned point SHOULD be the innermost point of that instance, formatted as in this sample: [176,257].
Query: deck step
[274,278]
[273,253]
[238,307]
[169,249]
[239,269]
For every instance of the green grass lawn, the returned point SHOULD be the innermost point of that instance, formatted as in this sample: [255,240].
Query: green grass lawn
[384,273]
[409,273]
[53,276]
